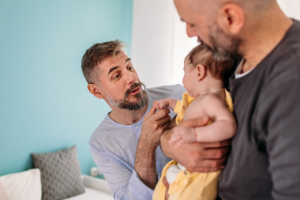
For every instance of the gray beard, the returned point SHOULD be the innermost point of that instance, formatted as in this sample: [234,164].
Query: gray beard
[142,99]
[222,50]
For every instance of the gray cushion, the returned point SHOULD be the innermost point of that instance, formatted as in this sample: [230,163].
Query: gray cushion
[60,174]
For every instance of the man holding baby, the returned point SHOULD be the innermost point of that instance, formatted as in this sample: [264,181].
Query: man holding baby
[265,90]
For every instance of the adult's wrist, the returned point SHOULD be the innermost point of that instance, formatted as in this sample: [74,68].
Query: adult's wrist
[164,145]
[146,147]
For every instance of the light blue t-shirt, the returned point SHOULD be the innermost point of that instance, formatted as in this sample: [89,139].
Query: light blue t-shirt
[113,148]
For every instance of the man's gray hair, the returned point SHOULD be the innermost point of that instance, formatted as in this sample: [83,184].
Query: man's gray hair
[95,55]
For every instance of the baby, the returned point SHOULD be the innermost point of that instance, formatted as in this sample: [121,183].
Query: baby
[203,80]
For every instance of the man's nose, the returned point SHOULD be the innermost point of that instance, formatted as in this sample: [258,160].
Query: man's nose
[130,77]
[190,31]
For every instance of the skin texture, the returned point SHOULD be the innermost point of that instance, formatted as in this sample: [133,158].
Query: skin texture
[113,87]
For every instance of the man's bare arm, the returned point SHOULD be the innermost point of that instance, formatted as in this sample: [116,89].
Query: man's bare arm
[145,165]
[145,162]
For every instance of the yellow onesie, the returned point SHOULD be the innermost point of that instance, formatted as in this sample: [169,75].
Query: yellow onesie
[189,185]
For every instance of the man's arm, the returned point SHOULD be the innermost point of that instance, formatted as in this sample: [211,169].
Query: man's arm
[138,183]
[200,157]
[123,181]
[153,125]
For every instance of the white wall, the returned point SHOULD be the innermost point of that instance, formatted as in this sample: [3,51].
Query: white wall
[151,49]
[290,7]
[160,43]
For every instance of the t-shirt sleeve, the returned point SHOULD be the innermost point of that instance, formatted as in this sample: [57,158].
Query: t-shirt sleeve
[279,115]
[124,183]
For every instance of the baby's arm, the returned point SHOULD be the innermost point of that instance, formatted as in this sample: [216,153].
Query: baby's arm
[222,128]
[166,103]
[223,125]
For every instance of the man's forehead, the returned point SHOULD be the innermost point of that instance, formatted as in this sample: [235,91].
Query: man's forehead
[109,61]
[196,6]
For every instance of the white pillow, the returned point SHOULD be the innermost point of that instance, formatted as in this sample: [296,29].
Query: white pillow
[21,186]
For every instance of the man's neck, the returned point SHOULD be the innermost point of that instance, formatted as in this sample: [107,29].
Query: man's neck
[264,38]
[127,117]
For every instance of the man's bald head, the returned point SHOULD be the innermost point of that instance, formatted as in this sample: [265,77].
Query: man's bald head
[250,5]
[213,5]
[229,27]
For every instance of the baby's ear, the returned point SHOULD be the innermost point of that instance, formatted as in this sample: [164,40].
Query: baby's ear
[201,72]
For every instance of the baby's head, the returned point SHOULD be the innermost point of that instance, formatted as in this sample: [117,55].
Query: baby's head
[202,71]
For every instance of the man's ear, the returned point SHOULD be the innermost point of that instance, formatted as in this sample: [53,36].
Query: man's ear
[201,72]
[95,90]
[231,18]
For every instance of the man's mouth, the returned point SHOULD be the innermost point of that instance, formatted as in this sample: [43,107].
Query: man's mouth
[135,91]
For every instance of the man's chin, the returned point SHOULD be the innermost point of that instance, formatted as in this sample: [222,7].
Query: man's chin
[135,102]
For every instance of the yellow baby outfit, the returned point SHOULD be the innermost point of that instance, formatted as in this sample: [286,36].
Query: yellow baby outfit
[189,185]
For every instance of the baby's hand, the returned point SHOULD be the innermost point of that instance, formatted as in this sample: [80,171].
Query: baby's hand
[183,134]
[161,104]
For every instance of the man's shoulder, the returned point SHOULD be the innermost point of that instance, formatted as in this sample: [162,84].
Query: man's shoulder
[289,51]
[283,63]
[169,91]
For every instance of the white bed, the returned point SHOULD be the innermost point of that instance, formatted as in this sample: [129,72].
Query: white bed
[95,189]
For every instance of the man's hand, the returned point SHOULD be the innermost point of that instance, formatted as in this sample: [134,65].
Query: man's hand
[199,156]
[145,163]
[183,134]
[153,126]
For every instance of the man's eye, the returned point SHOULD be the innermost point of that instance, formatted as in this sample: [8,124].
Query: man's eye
[117,76]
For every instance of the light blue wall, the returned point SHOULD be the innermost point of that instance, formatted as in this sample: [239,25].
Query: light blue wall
[44,103]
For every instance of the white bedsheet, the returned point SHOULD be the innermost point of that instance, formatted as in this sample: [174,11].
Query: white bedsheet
[91,194]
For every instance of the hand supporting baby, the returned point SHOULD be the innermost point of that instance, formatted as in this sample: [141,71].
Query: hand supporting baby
[183,134]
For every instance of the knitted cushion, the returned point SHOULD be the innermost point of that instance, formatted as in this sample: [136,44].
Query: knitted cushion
[60,174]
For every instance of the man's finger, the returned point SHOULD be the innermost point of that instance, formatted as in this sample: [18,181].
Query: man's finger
[215,153]
[160,114]
[208,145]
[211,163]
[195,122]
[164,120]
[151,111]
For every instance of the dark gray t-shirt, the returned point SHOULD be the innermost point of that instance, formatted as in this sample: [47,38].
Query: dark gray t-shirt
[264,162]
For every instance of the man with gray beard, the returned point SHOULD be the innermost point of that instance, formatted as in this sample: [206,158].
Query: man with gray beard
[264,160]
[125,146]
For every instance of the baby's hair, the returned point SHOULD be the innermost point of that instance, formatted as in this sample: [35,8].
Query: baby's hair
[219,69]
